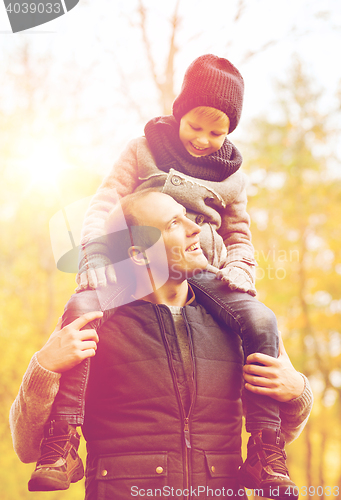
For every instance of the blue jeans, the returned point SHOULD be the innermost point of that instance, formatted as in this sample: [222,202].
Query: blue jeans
[250,319]
[69,404]
[256,325]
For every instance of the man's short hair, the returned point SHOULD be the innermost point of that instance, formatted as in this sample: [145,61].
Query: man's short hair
[137,234]
[128,204]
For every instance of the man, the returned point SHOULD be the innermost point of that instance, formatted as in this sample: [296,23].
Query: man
[163,410]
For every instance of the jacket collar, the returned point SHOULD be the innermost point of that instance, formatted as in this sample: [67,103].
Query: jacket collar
[190,298]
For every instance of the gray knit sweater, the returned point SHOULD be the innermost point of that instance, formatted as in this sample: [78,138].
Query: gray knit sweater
[32,406]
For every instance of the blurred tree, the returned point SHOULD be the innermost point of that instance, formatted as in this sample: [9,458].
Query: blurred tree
[34,125]
[167,32]
[165,82]
[294,204]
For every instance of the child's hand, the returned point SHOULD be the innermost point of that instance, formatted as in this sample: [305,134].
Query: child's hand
[95,277]
[237,280]
[95,267]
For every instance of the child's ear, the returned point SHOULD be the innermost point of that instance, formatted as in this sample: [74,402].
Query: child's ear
[138,255]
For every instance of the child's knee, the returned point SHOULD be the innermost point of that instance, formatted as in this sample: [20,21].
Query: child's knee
[264,320]
[269,319]
[80,303]
[260,331]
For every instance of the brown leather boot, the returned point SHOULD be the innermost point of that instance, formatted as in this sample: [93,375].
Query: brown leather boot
[265,469]
[59,463]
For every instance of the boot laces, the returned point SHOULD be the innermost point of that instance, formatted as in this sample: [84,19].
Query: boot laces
[274,457]
[54,448]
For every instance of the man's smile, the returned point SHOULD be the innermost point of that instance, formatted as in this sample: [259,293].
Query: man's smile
[194,247]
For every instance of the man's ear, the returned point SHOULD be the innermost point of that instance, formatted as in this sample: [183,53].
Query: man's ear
[138,255]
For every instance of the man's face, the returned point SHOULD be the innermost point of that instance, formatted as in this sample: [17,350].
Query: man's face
[180,235]
[200,135]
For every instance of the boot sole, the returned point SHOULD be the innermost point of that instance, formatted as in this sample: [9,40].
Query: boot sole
[44,482]
[276,492]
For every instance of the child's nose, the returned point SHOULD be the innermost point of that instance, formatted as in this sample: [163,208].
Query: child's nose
[203,139]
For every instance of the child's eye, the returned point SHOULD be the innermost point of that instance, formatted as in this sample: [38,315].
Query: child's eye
[216,134]
[195,128]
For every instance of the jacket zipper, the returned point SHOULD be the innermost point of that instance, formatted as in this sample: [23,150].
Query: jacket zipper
[188,446]
[186,433]
[186,428]
[186,419]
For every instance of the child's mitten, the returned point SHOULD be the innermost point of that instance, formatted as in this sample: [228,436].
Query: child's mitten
[95,268]
[237,279]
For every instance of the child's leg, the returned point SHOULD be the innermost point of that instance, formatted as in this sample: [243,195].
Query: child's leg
[256,325]
[70,401]
[264,468]
[59,463]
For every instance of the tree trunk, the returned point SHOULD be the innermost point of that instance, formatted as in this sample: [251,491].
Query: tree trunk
[321,481]
[309,456]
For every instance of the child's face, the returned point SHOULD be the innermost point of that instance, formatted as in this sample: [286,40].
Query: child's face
[202,136]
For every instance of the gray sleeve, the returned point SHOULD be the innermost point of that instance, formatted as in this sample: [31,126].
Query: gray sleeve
[121,180]
[235,231]
[31,409]
[295,413]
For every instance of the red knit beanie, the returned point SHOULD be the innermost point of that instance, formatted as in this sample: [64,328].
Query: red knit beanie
[211,81]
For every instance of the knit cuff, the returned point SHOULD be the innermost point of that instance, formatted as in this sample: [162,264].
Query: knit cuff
[301,403]
[40,381]
[247,268]
[93,255]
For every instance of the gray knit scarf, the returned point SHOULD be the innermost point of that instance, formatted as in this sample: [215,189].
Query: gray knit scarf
[162,134]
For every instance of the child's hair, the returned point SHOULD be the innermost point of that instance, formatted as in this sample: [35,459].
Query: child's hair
[213,114]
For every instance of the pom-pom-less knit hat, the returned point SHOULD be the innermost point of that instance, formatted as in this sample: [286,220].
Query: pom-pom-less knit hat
[211,81]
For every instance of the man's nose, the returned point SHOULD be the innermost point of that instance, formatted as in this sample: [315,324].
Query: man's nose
[192,227]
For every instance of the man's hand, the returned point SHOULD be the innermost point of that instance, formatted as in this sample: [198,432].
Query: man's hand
[277,378]
[237,280]
[68,346]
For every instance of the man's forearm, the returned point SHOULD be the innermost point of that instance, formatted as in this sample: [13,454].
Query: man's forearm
[31,409]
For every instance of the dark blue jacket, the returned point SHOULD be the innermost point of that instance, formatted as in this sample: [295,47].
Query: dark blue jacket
[140,440]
